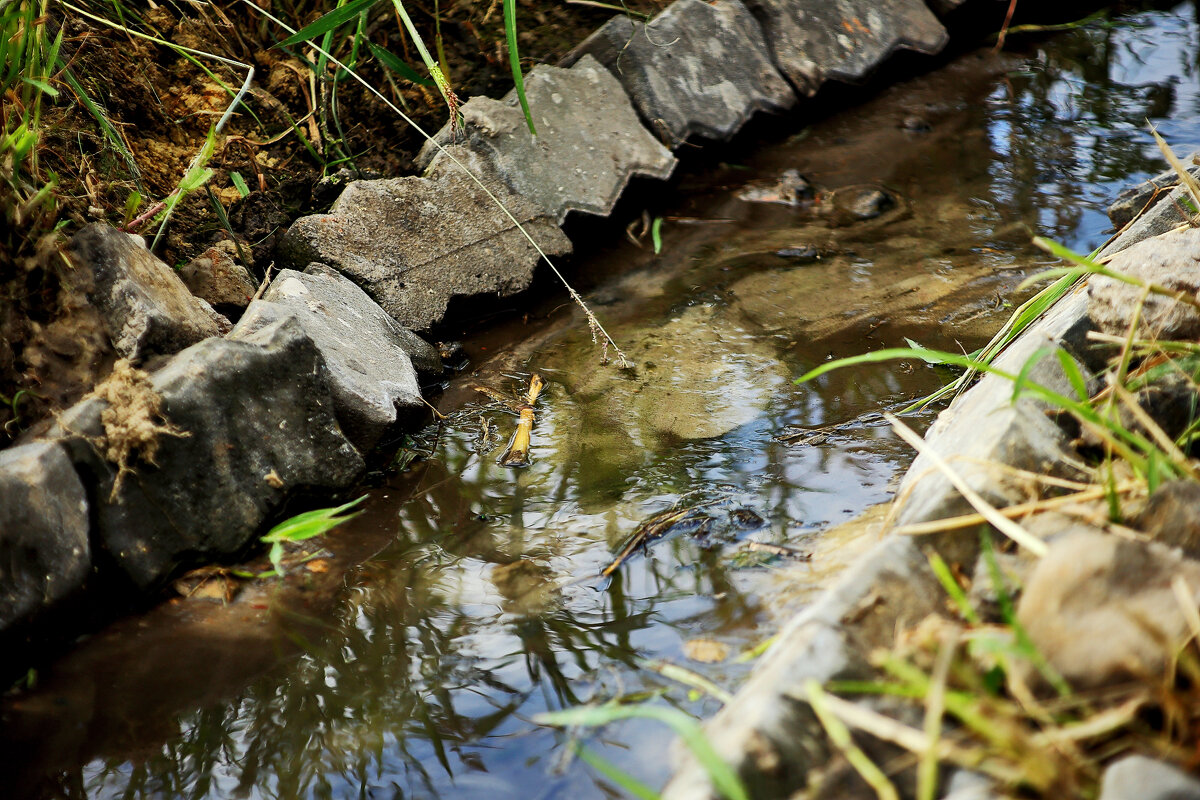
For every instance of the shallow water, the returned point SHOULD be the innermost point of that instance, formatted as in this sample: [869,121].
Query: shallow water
[464,601]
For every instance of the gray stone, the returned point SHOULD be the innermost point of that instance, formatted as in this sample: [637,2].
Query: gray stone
[967,785]
[44,551]
[251,423]
[1140,197]
[695,69]
[590,142]
[1102,610]
[1172,516]
[370,373]
[414,243]
[146,308]
[426,358]
[944,7]
[984,428]
[768,733]
[1169,260]
[1139,778]
[218,280]
[814,41]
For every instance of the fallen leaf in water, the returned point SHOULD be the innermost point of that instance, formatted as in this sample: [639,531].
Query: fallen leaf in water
[706,651]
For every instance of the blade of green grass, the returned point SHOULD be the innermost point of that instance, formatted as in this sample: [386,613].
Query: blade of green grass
[514,61]
[722,775]
[328,22]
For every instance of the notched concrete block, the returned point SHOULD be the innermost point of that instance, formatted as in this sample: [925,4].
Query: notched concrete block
[814,41]
[694,70]
[415,243]
[590,142]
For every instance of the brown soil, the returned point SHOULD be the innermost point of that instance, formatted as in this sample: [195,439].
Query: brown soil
[288,136]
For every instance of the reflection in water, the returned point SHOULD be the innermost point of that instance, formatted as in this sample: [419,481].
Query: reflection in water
[421,678]
[1071,129]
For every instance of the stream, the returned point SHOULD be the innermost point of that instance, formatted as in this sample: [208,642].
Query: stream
[410,661]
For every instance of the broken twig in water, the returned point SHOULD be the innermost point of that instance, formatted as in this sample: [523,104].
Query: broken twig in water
[517,454]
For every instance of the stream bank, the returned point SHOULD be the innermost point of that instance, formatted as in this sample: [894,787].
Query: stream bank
[432,614]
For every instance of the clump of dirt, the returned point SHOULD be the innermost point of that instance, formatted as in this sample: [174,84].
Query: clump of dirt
[133,422]
[53,343]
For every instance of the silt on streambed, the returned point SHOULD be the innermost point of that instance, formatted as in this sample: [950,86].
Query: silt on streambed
[417,671]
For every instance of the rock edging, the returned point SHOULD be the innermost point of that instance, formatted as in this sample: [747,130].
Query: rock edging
[283,402]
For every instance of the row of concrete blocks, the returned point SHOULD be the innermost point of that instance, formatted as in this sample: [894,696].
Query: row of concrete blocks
[225,429]
[696,72]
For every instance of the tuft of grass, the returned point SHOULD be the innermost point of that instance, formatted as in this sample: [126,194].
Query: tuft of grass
[303,527]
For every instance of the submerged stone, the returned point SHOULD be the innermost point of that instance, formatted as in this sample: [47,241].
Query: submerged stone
[814,41]
[146,307]
[590,142]
[414,243]
[695,69]
[44,552]
[371,373]
[252,423]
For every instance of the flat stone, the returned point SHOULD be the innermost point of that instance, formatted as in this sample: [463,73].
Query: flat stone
[371,374]
[768,733]
[413,244]
[695,69]
[44,551]
[1158,200]
[1139,778]
[218,280]
[146,307]
[814,41]
[253,423]
[1169,260]
[984,428]
[1093,582]
[590,142]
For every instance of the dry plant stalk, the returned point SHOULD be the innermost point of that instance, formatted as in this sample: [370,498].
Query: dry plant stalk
[517,454]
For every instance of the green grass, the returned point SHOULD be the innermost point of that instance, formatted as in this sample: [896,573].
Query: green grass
[685,727]
[303,527]
[28,56]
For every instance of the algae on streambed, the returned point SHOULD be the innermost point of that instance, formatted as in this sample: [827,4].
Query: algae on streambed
[421,677]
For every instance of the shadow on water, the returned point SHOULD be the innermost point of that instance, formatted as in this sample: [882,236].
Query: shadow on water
[465,600]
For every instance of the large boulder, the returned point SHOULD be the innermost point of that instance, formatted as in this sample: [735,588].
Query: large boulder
[371,374]
[814,41]
[184,465]
[146,307]
[414,243]
[44,552]
[695,69]
[590,142]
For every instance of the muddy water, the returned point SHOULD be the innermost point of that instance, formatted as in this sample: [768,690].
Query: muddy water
[410,661]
